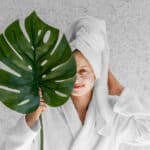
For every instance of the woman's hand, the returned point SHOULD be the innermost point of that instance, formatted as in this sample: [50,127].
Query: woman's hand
[115,88]
[33,117]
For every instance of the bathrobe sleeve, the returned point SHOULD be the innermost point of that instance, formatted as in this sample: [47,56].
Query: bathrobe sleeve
[134,112]
[21,136]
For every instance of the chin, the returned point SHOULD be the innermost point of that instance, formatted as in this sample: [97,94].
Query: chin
[79,93]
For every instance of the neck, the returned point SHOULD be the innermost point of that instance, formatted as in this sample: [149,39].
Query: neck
[81,102]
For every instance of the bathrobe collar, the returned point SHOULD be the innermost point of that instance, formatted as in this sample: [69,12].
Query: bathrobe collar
[93,118]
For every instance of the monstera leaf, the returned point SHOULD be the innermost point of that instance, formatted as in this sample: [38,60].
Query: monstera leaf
[39,57]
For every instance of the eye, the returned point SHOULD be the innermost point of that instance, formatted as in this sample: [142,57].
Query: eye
[83,71]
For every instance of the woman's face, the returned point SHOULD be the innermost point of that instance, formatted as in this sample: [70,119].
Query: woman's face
[85,76]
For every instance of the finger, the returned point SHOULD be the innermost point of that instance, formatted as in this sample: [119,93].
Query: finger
[42,105]
[42,108]
[40,93]
[42,100]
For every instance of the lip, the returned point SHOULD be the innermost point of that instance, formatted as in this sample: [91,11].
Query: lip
[77,86]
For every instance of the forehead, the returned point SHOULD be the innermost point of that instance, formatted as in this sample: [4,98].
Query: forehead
[81,61]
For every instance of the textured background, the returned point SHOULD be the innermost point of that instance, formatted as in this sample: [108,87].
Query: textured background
[128,27]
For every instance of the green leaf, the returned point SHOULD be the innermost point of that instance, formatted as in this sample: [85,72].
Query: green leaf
[39,57]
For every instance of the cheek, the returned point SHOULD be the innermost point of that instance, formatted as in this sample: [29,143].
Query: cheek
[90,81]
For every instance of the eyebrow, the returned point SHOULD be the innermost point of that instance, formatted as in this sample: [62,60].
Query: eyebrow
[84,66]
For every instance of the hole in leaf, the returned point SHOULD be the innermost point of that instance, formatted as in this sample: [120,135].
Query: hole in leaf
[56,67]
[30,67]
[6,68]
[24,102]
[60,94]
[58,42]
[39,32]
[9,89]
[22,26]
[32,47]
[13,49]
[43,76]
[44,62]
[59,81]
[46,37]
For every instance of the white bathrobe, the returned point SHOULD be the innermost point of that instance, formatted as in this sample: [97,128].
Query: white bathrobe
[111,122]
[129,128]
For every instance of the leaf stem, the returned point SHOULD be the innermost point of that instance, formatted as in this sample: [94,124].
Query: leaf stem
[41,134]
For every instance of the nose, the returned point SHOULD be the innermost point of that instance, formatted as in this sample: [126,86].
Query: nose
[78,78]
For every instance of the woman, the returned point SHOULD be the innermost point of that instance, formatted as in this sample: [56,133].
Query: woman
[91,119]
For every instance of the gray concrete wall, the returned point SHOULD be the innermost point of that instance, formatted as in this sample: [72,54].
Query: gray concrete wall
[128,27]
